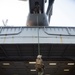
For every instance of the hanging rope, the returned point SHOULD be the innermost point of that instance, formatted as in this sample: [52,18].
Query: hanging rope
[38,43]
[38,38]
[41,69]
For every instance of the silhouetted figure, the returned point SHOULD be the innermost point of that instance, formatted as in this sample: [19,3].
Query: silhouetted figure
[36,9]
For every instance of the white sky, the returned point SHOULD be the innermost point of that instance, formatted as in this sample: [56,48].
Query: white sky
[17,11]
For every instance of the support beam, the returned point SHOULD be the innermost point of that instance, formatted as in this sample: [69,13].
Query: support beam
[66,48]
[18,50]
[49,53]
[32,58]
[3,50]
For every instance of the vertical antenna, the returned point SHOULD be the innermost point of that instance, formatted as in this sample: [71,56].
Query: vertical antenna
[5,22]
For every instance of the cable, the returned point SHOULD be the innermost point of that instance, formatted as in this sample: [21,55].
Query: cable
[38,43]
[38,38]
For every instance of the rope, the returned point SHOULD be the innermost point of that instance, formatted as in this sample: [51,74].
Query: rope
[38,38]
[38,43]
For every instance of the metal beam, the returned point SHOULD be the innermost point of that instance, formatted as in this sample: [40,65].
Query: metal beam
[49,53]
[34,50]
[62,55]
[3,50]
[32,58]
[18,50]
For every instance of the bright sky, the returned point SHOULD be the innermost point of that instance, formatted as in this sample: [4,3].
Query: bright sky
[17,11]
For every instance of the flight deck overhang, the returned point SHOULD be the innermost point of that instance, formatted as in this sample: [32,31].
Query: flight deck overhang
[29,35]
[21,43]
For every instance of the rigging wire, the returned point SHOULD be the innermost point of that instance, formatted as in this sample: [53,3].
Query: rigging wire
[38,43]
[38,38]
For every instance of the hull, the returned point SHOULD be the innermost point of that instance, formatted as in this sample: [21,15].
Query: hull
[37,20]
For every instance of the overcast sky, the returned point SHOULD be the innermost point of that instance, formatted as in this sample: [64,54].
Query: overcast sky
[16,12]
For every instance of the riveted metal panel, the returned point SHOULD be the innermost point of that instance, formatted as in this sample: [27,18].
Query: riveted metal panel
[55,35]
